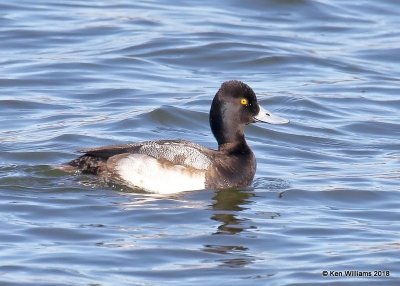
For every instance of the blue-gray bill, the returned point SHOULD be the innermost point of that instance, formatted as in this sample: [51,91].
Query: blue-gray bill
[267,117]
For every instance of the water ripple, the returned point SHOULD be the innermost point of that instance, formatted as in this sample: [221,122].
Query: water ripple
[325,196]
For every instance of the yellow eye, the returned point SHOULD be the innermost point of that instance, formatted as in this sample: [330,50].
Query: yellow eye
[243,101]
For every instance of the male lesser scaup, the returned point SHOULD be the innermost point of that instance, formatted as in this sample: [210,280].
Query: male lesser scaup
[171,166]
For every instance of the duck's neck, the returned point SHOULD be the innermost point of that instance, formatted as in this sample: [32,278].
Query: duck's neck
[238,147]
[231,139]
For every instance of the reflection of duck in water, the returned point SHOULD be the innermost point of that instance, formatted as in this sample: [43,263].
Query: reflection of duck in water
[227,211]
[227,204]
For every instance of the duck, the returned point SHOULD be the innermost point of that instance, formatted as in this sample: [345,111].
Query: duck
[173,166]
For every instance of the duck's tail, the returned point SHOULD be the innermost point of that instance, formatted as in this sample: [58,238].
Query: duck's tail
[86,164]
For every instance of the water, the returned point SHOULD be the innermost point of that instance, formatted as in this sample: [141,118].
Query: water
[326,194]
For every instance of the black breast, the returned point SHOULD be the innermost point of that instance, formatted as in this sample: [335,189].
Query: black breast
[231,171]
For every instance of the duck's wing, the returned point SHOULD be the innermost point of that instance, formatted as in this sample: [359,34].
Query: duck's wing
[175,152]
[105,152]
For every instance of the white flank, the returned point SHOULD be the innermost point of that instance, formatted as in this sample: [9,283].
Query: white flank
[147,173]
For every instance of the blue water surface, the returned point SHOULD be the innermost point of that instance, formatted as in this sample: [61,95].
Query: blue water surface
[326,197]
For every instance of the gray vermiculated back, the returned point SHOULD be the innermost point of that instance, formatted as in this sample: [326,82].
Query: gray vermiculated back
[188,155]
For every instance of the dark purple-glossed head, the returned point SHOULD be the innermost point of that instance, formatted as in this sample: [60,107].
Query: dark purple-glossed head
[234,106]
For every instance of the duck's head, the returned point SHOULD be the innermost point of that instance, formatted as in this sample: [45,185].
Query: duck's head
[234,106]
